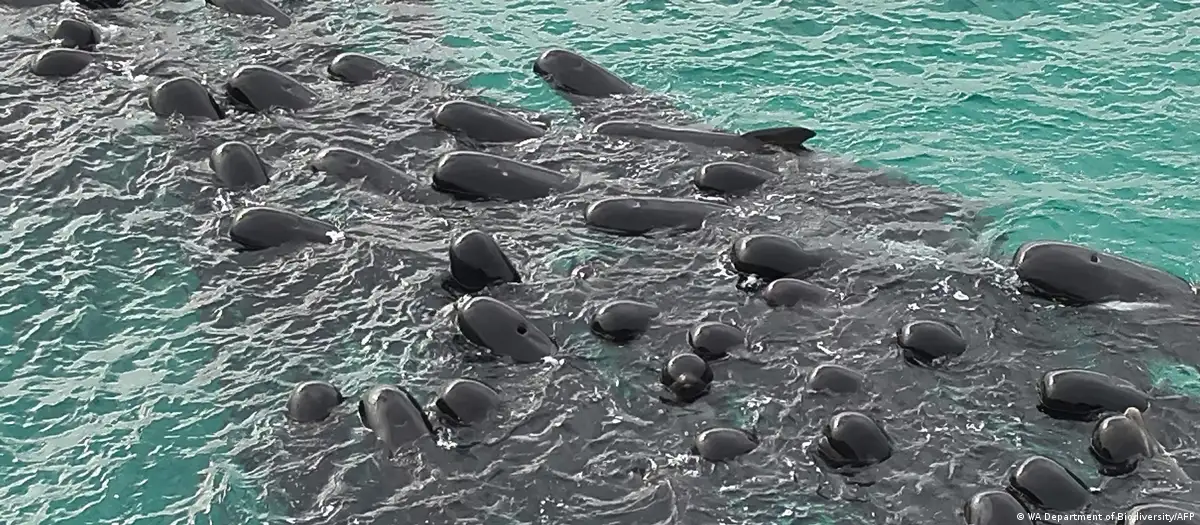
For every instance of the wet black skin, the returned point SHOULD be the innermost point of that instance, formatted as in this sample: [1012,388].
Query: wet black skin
[259,228]
[834,378]
[852,440]
[356,68]
[730,178]
[60,62]
[581,81]
[237,166]
[1044,483]
[926,341]
[473,175]
[642,215]
[792,138]
[571,74]
[622,321]
[186,97]
[394,415]
[466,402]
[78,34]
[1077,275]
[788,292]
[713,341]
[477,261]
[349,165]
[1083,395]
[993,507]
[485,124]
[503,330]
[687,376]
[724,444]
[771,257]
[262,8]
[262,88]
[313,401]
[1119,445]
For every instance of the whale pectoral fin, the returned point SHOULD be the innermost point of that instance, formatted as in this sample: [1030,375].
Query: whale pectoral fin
[790,138]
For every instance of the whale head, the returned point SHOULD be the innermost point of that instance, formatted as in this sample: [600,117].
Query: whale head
[1078,275]
[571,74]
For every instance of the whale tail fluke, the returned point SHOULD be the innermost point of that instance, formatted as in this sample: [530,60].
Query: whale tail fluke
[790,138]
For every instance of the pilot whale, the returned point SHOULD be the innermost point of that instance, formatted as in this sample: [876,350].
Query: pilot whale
[1077,275]
[614,108]
[577,79]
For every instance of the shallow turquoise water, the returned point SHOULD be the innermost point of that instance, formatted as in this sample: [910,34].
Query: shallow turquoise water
[1072,120]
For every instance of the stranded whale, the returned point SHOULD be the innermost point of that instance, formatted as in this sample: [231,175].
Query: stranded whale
[78,34]
[1077,275]
[580,80]
[484,123]
[642,215]
[502,330]
[237,166]
[263,8]
[616,108]
[261,88]
[260,227]
[60,62]
[472,175]
[186,97]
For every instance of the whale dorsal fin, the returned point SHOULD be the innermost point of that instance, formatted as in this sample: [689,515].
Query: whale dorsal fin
[790,138]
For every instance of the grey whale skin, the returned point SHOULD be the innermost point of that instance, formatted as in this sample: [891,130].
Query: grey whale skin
[789,138]
[472,175]
[503,330]
[253,8]
[60,62]
[576,78]
[484,123]
[394,415]
[347,164]
[184,96]
[1077,275]
[615,107]
[355,68]
[641,215]
[78,34]
[237,166]
[477,261]
[260,227]
[261,88]
[313,401]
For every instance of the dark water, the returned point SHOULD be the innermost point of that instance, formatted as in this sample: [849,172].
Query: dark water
[148,363]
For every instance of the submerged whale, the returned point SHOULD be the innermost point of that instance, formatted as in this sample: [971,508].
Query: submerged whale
[618,109]
[1158,454]
[263,8]
[849,441]
[578,79]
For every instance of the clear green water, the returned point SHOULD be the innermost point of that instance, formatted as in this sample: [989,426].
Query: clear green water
[1073,120]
